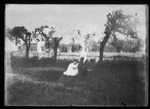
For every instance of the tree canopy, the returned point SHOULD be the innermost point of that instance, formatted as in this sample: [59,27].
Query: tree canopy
[50,42]
[119,22]
[19,33]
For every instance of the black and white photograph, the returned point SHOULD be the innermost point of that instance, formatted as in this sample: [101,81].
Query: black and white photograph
[76,55]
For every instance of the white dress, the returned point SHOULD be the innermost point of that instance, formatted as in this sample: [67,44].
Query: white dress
[72,70]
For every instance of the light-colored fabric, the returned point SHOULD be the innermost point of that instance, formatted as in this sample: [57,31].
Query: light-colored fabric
[72,70]
[83,55]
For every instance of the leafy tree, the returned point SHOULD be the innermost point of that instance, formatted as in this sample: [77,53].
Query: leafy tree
[139,43]
[84,40]
[49,40]
[127,45]
[109,48]
[117,22]
[118,44]
[19,33]
[91,45]
[133,45]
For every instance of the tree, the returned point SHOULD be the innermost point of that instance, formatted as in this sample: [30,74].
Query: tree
[109,48]
[117,22]
[126,45]
[118,44]
[19,33]
[133,45]
[138,45]
[92,45]
[84,40]
[56,41]
[73,45]
[49,40]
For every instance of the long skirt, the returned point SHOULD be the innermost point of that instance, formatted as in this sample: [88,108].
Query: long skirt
[82,67]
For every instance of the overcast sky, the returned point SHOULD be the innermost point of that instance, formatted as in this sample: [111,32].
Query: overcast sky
[66,19]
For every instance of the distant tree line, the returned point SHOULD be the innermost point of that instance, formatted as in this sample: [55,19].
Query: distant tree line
[128,45]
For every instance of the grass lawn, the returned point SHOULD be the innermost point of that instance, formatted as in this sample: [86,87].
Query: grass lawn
[111,83]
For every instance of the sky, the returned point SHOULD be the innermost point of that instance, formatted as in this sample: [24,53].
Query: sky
[66,19]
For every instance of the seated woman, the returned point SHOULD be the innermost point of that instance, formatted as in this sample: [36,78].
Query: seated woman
[72,69]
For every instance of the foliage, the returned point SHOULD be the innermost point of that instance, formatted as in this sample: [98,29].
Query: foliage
[133,45]
[76,48]
[50,42]
[109,48]
[126,45]
[19,33]
[118,44]
[41,31]
[118,22]
[84,39]
[69,47]
[63,48]
[92,46]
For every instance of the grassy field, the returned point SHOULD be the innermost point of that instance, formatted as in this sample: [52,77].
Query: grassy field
[111,83]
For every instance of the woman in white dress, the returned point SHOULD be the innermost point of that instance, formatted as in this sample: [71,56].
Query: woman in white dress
[72,69]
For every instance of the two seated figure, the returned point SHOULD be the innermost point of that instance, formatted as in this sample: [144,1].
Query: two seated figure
[76,67]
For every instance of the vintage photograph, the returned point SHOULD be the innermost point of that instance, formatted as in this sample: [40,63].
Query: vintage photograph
[76,55]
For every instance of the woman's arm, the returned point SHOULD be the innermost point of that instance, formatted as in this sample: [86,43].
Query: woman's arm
[74,66]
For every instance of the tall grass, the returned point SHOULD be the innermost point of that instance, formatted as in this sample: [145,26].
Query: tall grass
[111,82]
[31,62]
[121,64]
[115,62]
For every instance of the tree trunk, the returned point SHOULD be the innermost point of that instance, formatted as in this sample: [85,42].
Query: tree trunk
[55,49]
[27,51]
[55,54]
[101,53]
[50,54]
[56,43]
[102,45]
[16,41]
[27,44]
[72,48]
[118,49]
